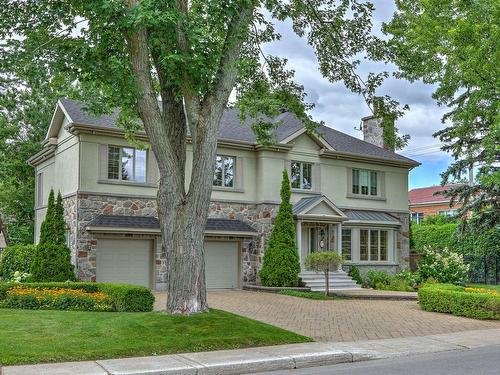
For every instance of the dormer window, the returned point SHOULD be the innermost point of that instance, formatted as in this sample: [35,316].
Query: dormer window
[224,171]
[301,175]
[126,164]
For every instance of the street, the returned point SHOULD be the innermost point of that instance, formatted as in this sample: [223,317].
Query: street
[479,361]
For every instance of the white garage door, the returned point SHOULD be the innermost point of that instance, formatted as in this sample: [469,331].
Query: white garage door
[125,261]
[221,264]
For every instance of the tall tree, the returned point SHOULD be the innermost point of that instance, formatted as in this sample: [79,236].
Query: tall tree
[191,55]
[454,44]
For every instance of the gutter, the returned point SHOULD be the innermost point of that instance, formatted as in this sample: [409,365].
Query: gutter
[363,158]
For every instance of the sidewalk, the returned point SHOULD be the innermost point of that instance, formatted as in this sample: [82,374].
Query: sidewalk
[243,361]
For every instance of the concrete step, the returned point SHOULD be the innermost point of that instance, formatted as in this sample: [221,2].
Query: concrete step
[338,280]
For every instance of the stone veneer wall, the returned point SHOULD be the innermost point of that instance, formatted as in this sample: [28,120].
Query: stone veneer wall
[86,207]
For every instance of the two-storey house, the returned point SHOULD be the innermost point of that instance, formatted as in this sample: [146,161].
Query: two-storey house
[349,196]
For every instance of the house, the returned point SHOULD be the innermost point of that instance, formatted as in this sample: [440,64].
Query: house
[429,201]
[349,196]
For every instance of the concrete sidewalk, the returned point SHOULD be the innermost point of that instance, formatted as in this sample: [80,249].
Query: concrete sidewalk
[243,361]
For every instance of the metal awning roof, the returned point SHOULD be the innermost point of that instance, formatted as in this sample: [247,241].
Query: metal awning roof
[370,216]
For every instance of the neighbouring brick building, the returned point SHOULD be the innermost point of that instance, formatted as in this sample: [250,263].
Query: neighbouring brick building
[429,201]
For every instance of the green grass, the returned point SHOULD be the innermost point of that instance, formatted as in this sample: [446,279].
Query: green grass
[486,286]
[32,336]
[310,295]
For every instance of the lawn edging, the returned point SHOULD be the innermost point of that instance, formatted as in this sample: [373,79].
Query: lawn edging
[457,300]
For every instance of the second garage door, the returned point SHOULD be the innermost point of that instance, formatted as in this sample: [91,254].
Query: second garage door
[222,264]
[125,261]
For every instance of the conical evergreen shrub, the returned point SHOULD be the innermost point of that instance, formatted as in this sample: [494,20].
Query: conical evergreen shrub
[281,264]
[52,259]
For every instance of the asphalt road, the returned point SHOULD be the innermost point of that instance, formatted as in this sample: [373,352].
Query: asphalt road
[480,361]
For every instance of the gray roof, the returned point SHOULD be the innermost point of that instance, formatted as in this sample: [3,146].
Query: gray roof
[304,203]
[231,128]
[150,222]
[369,215]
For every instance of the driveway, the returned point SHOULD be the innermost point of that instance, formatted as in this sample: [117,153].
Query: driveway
[339,320]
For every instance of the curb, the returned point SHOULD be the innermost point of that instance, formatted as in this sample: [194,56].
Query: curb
[381,297]
[263,359]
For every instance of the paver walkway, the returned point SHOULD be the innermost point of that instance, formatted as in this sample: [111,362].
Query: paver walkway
[339,320]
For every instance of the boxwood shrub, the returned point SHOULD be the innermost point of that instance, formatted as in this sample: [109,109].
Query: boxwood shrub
[124,297]
[447,298]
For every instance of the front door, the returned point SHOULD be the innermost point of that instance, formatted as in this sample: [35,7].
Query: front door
[322,237]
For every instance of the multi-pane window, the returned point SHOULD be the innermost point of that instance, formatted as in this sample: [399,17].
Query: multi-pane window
[450,212]
[364,182]
[347,244]
[301,175]
[224,171]
[127,164]
[417,217]
[373,245]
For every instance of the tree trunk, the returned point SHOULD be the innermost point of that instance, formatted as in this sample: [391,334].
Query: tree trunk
[327,286]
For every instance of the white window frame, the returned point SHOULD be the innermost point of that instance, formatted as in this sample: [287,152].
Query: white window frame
[120,176]
[417,217]
[224,172]
[39,189]
[369,185]
[351,231]
[356,245]
[449,213]
[301,175]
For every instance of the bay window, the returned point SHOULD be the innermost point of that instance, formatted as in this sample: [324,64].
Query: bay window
[347,244]
[373,245]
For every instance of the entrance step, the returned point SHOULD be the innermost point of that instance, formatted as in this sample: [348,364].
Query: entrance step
[338,280]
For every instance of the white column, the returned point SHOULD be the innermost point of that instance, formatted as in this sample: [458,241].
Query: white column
[339,238]
[298,239]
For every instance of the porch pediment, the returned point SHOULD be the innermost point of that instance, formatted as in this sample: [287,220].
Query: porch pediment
[318,207]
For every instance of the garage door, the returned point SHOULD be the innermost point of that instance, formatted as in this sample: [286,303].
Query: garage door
[221,264]
[125,261]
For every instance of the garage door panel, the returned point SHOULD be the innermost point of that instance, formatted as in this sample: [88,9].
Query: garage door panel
[222,264]
[124,261]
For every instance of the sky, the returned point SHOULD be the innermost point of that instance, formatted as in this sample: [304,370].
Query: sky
[342,110]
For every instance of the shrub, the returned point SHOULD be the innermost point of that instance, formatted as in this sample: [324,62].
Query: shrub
[57,299]
[404,281]
[281,265]
[16,258]
[355,274]
[374,278]
[471,243]
[459,301]
[52,262]
[124,297]
[445,266]
[436,236]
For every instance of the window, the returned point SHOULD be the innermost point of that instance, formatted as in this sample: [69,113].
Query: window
[347,244]
[417,217]
[301,174]
[224,171]
[126,164]
[364,182]
[450,212]
[39,189]
[373,245]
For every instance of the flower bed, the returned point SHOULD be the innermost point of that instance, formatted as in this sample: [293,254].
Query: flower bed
[57,299]
[475,303]
[76,296]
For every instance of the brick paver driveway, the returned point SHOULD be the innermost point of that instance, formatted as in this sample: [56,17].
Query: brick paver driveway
[339,320]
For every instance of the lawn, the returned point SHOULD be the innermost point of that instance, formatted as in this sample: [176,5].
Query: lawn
[31,336]
[486,286]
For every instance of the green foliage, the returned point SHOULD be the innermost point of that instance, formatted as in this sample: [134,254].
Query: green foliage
[438,220]
[471,243]
[444,266]
[324,261]
[124,297]
[52,262]
[436,236]
[404,281]
[59,223]
[53,228]
[281,266]
[355,274]
[16,258]
[309,295]
[454,45]
[455,300]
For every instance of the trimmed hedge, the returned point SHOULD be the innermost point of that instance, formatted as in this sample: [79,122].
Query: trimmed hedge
[124,297]
[436,236]
[447,298]
[16,258]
